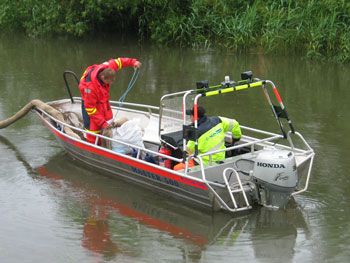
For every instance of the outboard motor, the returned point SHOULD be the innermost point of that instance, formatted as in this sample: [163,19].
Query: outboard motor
[275,176]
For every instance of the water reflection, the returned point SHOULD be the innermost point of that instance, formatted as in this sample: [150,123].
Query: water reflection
[113,209]
[96,233]
[274,234]
[117,220]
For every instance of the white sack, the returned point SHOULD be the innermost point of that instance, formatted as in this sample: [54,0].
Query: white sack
[130,132]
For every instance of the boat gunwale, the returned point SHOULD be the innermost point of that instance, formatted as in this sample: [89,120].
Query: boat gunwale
[257,141]
[184,173]
[254,141]
[186,176]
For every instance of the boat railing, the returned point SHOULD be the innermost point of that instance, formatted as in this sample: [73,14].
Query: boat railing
[268,141]
[308,154]
[290,133]
[236,207]
[210,184]
[240,189]
[117,105]
[139,149]
[242,145]
[311,155]
[251,142]
[306,146]
[306,185]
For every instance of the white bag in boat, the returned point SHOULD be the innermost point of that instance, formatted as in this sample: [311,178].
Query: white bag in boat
[129,132]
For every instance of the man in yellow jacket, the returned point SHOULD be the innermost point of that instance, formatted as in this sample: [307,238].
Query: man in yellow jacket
[211,134]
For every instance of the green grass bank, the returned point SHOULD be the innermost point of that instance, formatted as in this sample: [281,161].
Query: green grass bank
[318,29]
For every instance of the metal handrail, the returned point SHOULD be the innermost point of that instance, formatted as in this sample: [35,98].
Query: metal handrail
[185,175]
[134,105]
[257,130]
[138,105]
[311,157]
[248,206]
[108,138]
[307,177]
[242,145]
[209,186]
[199,157]
[265,140]
[256,141]
[302,139]
[209,183]
[66,82]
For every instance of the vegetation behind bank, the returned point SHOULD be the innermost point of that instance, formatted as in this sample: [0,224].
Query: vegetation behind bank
[315,28]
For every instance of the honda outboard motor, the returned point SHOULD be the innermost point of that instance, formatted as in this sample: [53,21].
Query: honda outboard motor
[275,176]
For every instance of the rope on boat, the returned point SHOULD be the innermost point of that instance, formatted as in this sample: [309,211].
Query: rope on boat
[38,104]
[130,86]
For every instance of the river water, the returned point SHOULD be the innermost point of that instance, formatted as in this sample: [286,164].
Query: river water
[54,209]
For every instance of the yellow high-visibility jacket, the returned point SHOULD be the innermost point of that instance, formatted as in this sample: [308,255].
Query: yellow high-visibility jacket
[211,136]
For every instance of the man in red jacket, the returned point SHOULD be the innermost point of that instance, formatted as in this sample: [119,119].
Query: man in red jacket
[94,88]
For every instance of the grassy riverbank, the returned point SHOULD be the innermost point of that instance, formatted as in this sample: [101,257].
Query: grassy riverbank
[317,29]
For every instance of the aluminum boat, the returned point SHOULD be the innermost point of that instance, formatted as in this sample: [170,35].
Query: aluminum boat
[263,168]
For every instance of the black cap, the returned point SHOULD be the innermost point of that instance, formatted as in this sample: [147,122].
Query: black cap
[200,111]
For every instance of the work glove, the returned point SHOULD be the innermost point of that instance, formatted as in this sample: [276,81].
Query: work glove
[137,64]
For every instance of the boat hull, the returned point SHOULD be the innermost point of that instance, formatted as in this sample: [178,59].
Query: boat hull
[138,171]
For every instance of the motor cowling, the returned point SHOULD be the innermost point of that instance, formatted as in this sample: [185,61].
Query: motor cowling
[275,176]
[276,167]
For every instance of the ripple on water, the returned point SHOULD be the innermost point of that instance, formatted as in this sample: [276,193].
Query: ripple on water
[309,203]
[29,216]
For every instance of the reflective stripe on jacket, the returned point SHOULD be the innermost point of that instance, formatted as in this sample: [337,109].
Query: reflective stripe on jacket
[212,136]
[95,94]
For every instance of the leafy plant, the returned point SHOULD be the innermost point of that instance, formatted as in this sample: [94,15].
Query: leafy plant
[315,28]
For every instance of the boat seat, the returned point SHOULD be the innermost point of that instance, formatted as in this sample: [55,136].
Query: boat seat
[175,139]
